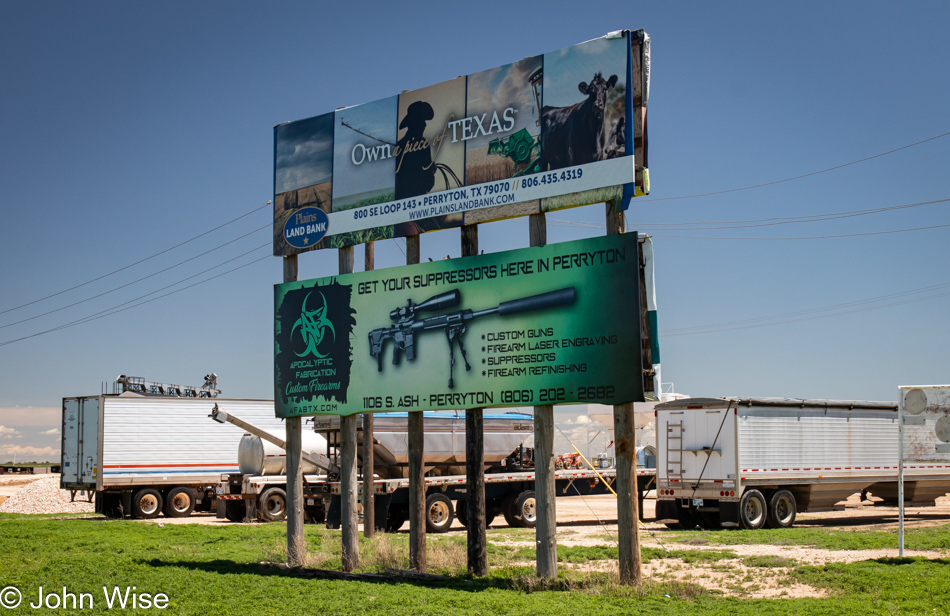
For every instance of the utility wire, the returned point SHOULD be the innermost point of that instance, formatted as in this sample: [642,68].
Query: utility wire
[859,302]
[806,237]
[642,200]
[82,301]
[714,329]
[745,224]
[115,310]
[137,262]
[797,177]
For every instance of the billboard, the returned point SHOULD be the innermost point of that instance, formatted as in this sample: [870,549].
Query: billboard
[557,130]
[541,325]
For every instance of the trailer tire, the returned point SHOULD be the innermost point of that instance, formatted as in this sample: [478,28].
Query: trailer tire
[524,510]
[179,502]
[782,510]
[272,505]
[439,513]
[147,504]
[752,510]
[507,505]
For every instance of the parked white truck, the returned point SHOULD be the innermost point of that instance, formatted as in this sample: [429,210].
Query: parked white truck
[754,462]
[144,455]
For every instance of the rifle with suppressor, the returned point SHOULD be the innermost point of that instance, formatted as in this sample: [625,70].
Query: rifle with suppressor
[403,332]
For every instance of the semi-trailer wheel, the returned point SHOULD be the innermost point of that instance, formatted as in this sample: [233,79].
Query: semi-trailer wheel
[782,509]
[147,504]
[752,510]
[179,502]
[524,510]
[507,506]
[272,505]
[439,513]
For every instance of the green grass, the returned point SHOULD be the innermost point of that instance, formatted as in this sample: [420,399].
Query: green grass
[933,538]
[229,570]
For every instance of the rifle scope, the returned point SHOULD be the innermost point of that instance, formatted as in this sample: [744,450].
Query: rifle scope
[450,299]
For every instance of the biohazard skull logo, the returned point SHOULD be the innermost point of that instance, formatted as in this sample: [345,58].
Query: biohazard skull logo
[313,326]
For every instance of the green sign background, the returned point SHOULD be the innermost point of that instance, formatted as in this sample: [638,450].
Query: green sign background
[585,349]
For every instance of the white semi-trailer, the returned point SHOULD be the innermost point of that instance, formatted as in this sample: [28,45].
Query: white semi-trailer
[144,455]
[754,462]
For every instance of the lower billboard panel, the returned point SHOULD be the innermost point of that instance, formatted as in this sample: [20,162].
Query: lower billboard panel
[555,324]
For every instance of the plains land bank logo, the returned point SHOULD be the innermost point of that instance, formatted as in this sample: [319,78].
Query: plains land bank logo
[306,227]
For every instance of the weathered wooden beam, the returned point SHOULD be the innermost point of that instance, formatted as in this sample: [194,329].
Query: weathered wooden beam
[369,493]
[475,458]
[417,482]
[625,448]
[544,487]
[348,482]
[296,543]
[417,493]
[628,507]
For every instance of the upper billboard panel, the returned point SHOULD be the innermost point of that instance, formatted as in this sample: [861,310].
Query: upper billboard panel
[548,132]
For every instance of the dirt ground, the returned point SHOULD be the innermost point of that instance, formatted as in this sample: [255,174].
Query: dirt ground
[592,520]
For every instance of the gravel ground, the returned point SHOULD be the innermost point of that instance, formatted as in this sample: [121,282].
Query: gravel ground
[43,495]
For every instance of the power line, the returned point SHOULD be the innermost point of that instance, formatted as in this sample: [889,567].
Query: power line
[137,262]
[797,177]
[806,237]
[116,309]
[113,290]
[808,318]
[742,323]
[760,222]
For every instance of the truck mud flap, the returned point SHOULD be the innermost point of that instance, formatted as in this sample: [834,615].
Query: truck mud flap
[667,512]
[381,511]
[729,514]
[335,513]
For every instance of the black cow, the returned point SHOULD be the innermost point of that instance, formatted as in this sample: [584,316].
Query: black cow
[617,139]
[575,135]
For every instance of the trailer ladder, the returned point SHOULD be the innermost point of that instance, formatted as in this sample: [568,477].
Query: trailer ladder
[674,436]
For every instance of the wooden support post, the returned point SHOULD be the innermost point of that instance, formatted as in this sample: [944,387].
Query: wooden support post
[475,458]
[417,494]
[544,488]
[348,488]
[417,482]
[625,446]
[296,544]
[348,483]
[369,492]
[628,507]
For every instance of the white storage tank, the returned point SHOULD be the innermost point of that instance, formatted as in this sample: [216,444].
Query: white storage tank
[259,457]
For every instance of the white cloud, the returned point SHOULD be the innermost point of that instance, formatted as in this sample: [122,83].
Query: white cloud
[21,416]
[7,431]
[52,431]
[27,452]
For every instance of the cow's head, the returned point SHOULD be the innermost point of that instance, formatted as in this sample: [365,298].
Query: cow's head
[596,91]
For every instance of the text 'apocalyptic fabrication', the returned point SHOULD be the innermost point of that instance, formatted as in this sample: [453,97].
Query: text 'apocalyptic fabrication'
[545,325]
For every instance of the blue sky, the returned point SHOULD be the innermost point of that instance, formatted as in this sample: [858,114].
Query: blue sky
[128,128]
